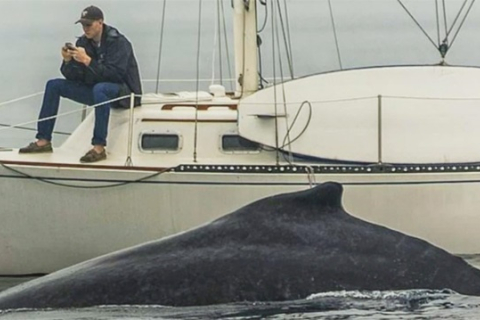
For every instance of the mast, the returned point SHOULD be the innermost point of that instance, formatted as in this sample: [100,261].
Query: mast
[245,34]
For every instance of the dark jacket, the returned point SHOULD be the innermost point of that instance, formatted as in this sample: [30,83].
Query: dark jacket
[114,61]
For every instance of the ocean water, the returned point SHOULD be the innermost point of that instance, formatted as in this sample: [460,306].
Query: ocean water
[370,33]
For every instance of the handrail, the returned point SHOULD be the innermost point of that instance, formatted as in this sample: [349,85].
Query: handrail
[379,114]
[379,98]
[3,104]
[361,98]
[65,113]
[84,109]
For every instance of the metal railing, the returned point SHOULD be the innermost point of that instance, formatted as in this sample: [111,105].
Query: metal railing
[292,106]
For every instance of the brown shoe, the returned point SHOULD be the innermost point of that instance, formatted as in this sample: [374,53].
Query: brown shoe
[35,148]
[93,156]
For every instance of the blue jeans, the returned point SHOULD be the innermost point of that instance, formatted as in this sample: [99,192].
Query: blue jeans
[81,93]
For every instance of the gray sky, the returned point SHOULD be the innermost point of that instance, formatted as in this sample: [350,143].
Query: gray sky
[370,33]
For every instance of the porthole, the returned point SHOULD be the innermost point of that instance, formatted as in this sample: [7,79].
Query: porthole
[165,142]
[233,143]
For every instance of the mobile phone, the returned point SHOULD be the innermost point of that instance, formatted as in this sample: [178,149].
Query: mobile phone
[70,46]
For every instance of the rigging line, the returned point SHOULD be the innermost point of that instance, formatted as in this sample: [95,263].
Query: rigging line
[438,22]
[33,129]
[277,154]
[161,44]
[335,35]
[2,104]
[215,38]
[227,50]
[288,35]
[310,109]
[260,68]
[280,16]
[456,18]
[265,20]
[461,24]
[341,100]
[445,21]
[122,183]
[284,98]
[418,24]
[195,138]
[245,10]
[432,98]
[220,56]
[63,114]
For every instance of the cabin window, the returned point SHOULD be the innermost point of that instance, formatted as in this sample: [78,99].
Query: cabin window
[160,142]
[235,143]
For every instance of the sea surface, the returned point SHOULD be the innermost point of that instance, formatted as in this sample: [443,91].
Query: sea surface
[341,305]
[369,33]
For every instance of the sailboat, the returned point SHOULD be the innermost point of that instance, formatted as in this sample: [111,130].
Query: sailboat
[403,141]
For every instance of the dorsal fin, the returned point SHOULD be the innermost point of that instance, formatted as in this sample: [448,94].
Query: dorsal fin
[328,194]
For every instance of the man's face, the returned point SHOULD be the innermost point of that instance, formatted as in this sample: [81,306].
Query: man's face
[92,29]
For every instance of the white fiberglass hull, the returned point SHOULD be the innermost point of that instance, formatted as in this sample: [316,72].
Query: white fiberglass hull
[46,227]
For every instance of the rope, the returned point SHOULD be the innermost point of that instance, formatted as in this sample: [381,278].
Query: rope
[242,82]
[229,64]
[122,183]
[220,57]
[293,123]
[284,98]
[312,181]
[288,36]
[265,19]
[335,35]
[438,23]
[456,18]
[63,114]
[461,24]
[195,138]
[418,24]
[285,40]
[161,44]
[445,21]
[33,129]
[431,98]
[20,99]
[365,98]
[277,157]
[329,101]
[259,45]
[216,36]
[444,46]
[260,65]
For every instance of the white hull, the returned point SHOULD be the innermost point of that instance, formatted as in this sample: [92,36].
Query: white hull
[40,235]
[170,168]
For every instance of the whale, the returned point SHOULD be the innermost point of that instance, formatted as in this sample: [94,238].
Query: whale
[283,247]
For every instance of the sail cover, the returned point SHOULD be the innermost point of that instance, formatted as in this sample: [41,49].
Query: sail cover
[407,114]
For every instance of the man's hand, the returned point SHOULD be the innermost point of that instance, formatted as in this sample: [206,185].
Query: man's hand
[67,54]
[81,56]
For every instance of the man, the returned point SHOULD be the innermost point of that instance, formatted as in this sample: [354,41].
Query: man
[101,67]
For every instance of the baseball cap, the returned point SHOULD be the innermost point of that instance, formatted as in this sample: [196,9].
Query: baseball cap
[90,14]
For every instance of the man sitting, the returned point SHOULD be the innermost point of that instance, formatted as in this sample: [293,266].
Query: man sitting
[100,67]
